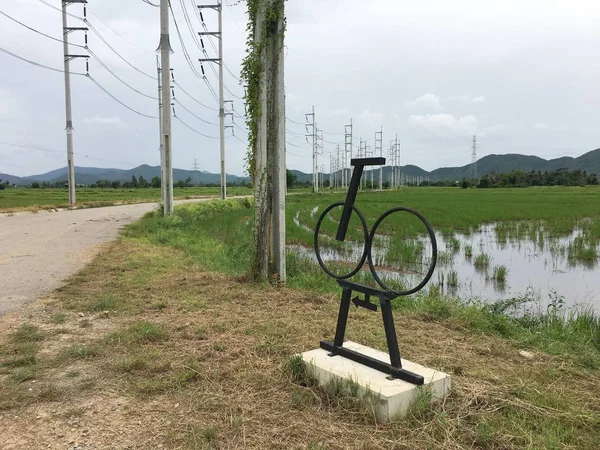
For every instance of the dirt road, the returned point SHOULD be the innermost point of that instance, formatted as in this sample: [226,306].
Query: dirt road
[38,251]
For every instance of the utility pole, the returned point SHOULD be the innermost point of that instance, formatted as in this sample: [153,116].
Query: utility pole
[474,175]
[347,150]
[269,147]
[69,119]
[362,153]
[165,64]
[397,157]
[219,60]
[160,133]
[313,135]
[338,175]
[392,159]
[379,151]
[195,168]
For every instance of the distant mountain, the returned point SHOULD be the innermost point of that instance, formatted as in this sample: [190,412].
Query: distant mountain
[589,162]
[89,175]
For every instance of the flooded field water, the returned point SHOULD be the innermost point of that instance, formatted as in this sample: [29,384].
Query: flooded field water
[540,268]
[496,262]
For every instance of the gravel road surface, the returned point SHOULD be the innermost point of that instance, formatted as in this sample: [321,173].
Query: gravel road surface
[38,251]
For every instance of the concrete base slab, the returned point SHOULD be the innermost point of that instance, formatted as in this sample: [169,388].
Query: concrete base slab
[395,396]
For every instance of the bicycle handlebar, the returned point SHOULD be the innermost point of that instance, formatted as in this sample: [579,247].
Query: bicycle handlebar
[359,165]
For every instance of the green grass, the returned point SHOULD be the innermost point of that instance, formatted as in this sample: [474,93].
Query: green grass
[500,273]
[27,333]
[218,236]
[482,262]
[138,333]
[16,198]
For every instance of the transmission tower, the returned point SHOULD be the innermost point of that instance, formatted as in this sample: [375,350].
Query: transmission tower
[195,168]
[474,174]
[362,153]
[369,154]
[312,127]
[347,151]
[379,152]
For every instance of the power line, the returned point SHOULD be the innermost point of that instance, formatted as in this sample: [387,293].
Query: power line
[43,66]
[191,113]
[116,32]
[119,101]
[117,77]
[37,31]
[193,129]
[28,147]
[60,10]
[193,98]
[150,3]
[297,123]
[201,18]
[97,33]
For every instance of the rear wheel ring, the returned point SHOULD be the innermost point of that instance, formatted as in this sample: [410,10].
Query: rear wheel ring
[433,251]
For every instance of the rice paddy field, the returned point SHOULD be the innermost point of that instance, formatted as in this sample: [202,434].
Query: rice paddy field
[533,244]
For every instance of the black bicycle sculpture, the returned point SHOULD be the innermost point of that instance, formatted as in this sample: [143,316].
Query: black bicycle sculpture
[385,294]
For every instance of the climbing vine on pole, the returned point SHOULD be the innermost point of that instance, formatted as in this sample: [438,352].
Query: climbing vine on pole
[252,69]
[263,72]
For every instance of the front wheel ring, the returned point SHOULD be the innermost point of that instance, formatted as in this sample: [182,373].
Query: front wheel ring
[366,249]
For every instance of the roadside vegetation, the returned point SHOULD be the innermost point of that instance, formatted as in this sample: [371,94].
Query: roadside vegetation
[163,340]
[19,199]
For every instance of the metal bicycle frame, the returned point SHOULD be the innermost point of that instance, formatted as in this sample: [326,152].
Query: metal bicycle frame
[336,347]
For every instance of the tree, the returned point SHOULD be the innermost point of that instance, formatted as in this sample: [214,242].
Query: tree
[134,181]
[142,183]
[464,183]
[35,185]
[116,184]
[155,182]
[291,178]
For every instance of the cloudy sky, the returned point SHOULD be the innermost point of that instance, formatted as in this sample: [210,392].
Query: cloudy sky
[520,74]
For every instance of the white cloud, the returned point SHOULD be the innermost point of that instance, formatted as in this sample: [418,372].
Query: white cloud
[338,112]
[466,98]
[495,130]
[444,124]
[427,102]
[540,126]
[371,117]
[116,121]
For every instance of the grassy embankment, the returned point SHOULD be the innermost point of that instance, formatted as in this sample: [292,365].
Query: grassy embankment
[19,199]
[150,343]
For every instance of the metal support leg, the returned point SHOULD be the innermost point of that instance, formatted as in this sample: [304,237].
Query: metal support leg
[340,330]
[390,333]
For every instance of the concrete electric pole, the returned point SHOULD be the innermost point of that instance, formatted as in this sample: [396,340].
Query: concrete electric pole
[219,60]
[165,64]
[69,119]
[313,135]
[160,133]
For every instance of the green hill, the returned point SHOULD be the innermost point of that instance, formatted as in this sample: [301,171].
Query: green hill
[589,162]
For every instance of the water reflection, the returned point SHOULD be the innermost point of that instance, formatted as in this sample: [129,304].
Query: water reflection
[495,262]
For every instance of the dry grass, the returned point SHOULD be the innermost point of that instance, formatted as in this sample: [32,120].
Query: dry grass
[176,356]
